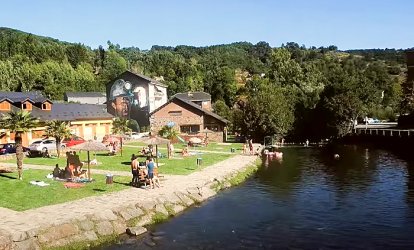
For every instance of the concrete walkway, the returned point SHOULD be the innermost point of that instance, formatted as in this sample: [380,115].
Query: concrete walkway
[23,223]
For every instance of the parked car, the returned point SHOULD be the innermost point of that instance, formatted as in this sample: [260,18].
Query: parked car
[72,141]
[136,135]
[41,146]
[372,120]
[10,148]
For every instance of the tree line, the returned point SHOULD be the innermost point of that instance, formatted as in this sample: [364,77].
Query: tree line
[294,91]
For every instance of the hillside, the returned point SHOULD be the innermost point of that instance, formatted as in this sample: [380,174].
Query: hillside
[317,83]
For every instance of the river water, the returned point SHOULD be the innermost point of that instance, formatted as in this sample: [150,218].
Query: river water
[363,200]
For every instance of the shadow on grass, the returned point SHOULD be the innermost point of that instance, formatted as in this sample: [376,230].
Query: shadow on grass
[99,190]
[123,183]
[126,163]
[191,168]
[102,154]
[9,177]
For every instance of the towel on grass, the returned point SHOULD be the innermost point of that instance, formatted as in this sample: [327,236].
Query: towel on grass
[73,185]
[39,183]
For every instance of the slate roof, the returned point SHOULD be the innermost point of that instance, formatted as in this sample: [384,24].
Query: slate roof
[72,112]
[60,111]
[33,96]
[140,76]
[20,95]
[194,96]
[84,94]
[205,112]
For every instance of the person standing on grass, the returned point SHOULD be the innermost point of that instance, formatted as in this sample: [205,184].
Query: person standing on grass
[251,146]
[150,168]
[134,169]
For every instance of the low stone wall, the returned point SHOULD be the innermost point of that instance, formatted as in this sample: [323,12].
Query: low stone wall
[101,224]
[7,157]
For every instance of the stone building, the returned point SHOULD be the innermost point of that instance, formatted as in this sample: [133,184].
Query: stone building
[85,97]
[135,96]
[85,120]
[190,118]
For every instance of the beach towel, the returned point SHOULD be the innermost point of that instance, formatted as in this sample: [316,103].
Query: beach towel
[39,183]
[73,185]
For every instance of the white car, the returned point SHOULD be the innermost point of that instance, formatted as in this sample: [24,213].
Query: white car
[135,135]
[43,145]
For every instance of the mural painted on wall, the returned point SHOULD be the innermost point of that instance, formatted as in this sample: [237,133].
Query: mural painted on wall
[127,100]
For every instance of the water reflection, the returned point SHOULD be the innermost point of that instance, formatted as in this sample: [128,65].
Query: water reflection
[363,200]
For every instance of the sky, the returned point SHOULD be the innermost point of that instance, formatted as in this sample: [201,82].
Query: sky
[348,24]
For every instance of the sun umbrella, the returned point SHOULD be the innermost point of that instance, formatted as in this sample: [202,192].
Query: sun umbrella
[155,140]
[111,139]
[90,146]
[195,140]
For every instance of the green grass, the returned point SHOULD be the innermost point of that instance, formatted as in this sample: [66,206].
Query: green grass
[176,166]
[21,195]
[210,147]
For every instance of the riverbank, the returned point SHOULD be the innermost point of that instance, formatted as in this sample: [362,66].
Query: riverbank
[93,219]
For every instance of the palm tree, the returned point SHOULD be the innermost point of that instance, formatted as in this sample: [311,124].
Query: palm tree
[120,126]
[19,122]
[168,132]
[59,130]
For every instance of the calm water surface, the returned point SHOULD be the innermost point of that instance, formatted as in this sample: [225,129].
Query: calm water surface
[364,200]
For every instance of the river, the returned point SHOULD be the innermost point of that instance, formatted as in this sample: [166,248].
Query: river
[363,200]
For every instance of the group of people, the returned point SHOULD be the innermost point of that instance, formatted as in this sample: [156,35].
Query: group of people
[147,171]
[113,147]
[248,147]
[147,150]
[73,169]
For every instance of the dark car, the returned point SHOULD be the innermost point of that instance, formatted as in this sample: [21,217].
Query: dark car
[10,148]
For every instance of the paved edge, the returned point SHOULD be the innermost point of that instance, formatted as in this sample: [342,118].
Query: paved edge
[93,218]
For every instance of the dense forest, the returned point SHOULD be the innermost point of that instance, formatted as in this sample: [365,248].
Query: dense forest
[292,90]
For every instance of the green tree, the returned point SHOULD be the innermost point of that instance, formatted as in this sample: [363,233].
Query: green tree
[168,132]
[120,125]
[19,122]
[268,112]
[59,130]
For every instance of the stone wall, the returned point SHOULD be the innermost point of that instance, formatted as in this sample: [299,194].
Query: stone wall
[92,227]
[173,112]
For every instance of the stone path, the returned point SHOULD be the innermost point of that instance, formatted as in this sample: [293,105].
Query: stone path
[20,224]
[45,167]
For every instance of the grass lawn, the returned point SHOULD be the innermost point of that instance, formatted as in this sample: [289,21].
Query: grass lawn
[225,147]
[21,195]
[178,165]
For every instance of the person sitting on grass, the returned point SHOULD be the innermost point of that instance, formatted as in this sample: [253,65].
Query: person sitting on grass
[185,151]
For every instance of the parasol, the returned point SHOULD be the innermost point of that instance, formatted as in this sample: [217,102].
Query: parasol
[195,140]
[155,140]
[90,146]
[111,139]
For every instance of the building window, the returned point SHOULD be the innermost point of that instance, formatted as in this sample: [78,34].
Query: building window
[190,129]
[45,106]
[175,113]
[5,105]
[24,106]
[199,103]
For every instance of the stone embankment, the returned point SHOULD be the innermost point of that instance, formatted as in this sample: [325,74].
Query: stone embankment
[98,218]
